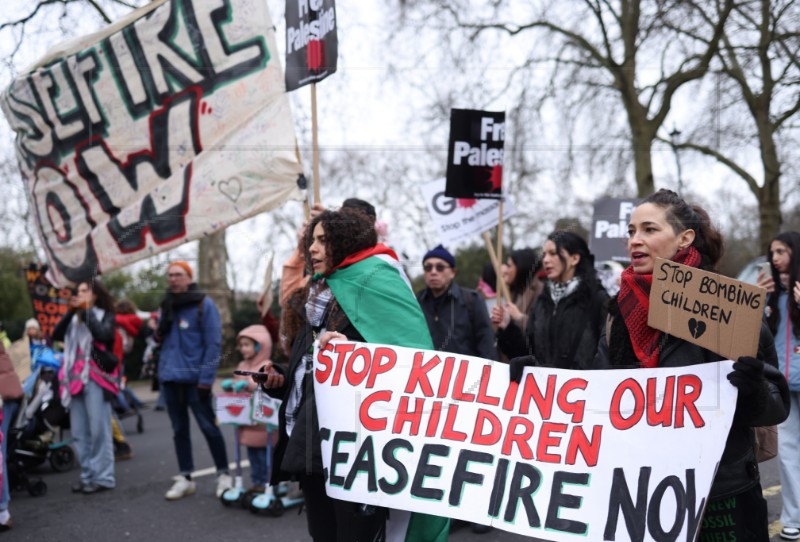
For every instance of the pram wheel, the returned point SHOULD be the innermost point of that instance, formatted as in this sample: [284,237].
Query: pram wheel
[276,508]
[62,459]
[37,488]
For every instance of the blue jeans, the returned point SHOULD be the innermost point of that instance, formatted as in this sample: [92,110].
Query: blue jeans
[788,437]
[90,425]
[258,465]
[9,410]
[179,399]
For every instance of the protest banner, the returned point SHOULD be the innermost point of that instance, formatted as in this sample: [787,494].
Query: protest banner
[718,313]
[167,126]
[234,408]
[459,219]
[608,240]
[265,409]
[475,154]
[50,304]
[597,454]
[311,41]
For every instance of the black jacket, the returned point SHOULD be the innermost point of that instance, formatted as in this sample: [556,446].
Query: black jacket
[459,323]
[563,336]
[738,470]
[103,331]
[301,453]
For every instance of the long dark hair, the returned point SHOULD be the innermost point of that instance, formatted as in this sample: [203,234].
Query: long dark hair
[792,240]
[682,216]
[528,262]
[574,244]
[103,299]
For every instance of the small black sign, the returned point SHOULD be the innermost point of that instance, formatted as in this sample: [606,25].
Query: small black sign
[475,154]
[311,42]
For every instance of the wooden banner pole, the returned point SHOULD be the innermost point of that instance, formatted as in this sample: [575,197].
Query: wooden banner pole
[501,284]
[501,292]
[315,142]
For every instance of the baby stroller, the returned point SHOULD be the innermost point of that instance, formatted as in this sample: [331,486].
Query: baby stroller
[127,405]
[36,435]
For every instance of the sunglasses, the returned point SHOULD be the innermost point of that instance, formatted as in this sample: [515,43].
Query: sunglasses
[440,267]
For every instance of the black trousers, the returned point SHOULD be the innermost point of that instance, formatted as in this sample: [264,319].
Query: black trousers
[334,520]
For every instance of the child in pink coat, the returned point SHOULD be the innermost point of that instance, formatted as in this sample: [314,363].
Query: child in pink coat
[255,346]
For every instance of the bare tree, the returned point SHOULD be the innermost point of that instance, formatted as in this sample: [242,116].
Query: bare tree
[754,101]
[607,49]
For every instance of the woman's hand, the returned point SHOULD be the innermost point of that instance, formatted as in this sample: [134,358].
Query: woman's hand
[268,377]
[765,281]
[501,317]
[514,311]
[328,336]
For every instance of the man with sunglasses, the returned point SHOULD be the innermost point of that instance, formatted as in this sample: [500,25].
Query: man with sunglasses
[457,319]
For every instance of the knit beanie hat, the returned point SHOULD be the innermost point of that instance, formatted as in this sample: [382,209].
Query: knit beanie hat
[441,253]
[183,265]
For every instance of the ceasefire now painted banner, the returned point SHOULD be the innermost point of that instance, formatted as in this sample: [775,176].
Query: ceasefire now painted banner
[564,455]
[167,126]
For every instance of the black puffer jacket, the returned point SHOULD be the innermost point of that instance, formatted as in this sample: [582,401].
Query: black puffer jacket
[563,336]
[738,470]
[301,453]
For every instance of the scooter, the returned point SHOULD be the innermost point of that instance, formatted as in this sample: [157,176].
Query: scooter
[235,494]
[275,500]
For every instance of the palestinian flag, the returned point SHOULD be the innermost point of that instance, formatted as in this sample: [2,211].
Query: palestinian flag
[375,294]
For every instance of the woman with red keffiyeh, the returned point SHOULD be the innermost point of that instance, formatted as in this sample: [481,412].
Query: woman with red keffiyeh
[665,226]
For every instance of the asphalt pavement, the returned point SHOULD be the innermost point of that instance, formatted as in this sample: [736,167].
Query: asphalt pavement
[136,510]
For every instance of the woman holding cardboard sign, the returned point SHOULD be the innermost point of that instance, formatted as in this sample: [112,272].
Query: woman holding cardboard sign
[782,281]
[356,293]
[665,226]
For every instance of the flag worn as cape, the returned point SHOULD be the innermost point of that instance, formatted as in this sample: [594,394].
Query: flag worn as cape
[373,291]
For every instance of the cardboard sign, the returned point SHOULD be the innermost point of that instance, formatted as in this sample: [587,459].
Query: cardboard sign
[311,41]
[165,127]
[50,304]
[459,219]
[709,310]
[234,408]
[475,154]
[608,240]
[265,409]
[562,456]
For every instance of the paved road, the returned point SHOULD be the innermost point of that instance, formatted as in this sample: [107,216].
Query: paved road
[137,510]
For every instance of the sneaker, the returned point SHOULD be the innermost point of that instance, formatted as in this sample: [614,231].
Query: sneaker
[181,488]
[7,525]
[790,533]
[224,481]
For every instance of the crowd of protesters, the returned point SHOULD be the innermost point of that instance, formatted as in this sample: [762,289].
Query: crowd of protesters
[341,280]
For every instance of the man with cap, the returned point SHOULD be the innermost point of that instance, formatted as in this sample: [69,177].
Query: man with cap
[457,318]
[190,333]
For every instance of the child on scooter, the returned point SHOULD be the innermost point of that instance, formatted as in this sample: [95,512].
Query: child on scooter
[255,346]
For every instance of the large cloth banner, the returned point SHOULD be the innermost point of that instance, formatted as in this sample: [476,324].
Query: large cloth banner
[564,455]
[167,126]
[459,219]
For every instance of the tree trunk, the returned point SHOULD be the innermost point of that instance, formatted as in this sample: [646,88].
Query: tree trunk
[769,197]
[212,263]
[642,161]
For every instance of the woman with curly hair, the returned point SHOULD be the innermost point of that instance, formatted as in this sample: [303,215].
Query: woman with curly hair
[357,289]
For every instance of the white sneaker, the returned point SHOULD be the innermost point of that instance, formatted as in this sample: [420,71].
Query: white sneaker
[790,533]
[224,481]
[181,488]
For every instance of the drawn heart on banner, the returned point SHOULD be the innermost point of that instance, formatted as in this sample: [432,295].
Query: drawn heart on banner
[235,410]
[267,411]
[231,189]
[696,327]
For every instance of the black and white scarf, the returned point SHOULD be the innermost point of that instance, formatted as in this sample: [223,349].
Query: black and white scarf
[560,290]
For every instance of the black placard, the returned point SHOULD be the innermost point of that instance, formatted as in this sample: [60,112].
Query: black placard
[50,303]
[311,41]
[475,154]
